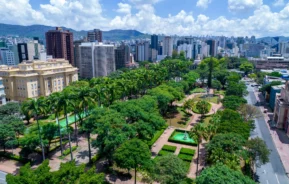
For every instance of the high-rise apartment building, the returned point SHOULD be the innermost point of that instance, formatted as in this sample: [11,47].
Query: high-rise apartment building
[96,60]
[59,44]
[122,56]
[168,46]
[142,51]
[284,49]
[76,45]
[95,35]
[7,57]
[36,78]
[2,93]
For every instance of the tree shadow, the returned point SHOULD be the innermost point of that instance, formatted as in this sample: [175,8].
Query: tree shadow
[117,175]
[82,154]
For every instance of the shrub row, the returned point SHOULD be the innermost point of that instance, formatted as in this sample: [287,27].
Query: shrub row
[163,153]
[169,148]
[184,157]
[187,151]
[14,157]
[156,136]
[188,165]
[67,151]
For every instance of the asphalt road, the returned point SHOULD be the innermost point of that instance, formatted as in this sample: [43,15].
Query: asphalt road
[2,177]
[272,172]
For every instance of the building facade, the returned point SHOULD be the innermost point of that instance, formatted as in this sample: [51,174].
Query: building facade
[7,57]
[213,47]
[36,78]
[95,35]
[122,56]
[270,62]
[168,46]
[281,110]
[143,51]
[2,93]
[96,60]
[59,44]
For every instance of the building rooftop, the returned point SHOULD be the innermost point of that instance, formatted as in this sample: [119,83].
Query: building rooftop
[278,87]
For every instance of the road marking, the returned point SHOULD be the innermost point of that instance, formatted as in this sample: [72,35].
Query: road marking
[277,178]
[267,181]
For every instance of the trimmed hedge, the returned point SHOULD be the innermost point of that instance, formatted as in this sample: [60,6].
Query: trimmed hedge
[187,151]
[14,157]
[67,151]
[188,165]
[184,157]
[178,141]
[156,136]
[163,152]
[169,148]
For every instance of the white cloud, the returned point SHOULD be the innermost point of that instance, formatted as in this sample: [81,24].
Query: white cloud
[140,2]
[124,8]
[88,14]
[243,5]
[203,3]
[279,3]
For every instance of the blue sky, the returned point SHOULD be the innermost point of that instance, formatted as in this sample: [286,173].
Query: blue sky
[182,17]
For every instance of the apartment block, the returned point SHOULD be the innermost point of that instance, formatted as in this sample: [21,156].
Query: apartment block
[36,78]
[96,60]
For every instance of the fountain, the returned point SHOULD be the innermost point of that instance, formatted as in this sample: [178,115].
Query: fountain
[185,136]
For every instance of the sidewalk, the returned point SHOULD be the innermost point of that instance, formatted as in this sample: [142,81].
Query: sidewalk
[279,137]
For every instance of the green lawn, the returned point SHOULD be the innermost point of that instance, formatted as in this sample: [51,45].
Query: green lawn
[220,92]
[212,99]
[178,118]
[198,90]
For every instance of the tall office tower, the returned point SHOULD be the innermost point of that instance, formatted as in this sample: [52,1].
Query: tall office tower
[76,45]
[95,35]
[222,42]
[96,60]
[7,57]
[187,49]
[154,42]
[29,51]
[14,49]
[142,51]
[196,50]
[213,47]
[122,56]
[59,44]
[168,46]
[284,49]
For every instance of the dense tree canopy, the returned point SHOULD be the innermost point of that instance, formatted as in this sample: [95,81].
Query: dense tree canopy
[233,102]
[220,174]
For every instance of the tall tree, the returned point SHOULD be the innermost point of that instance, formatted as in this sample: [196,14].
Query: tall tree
[132,154]
[168,169]
[258,151]
[37,107]
[198,132]
[54,102]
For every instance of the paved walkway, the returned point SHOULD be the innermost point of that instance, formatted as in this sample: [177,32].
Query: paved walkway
[279,137]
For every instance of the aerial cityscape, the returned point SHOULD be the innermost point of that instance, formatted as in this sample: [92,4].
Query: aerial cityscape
[144,91]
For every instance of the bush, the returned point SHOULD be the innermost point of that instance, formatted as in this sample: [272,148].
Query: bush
[184,157]
[95,158]
[199,90]
[169,148]
[195,110]
[187,151]
[67,151]
[163,152]
[156,137]
[14,157]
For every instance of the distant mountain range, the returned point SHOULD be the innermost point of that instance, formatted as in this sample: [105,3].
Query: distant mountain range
[39,31]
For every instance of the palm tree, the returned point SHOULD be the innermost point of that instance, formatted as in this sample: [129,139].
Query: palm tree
[55,106]
[37,107]
[198,132]
[98,93]
[84,95]
[25,111]
[64,102]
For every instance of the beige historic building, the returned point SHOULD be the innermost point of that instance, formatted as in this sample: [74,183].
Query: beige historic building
[36,78]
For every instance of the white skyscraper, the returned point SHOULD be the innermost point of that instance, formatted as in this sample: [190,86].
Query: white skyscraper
[96,60]
[168,46]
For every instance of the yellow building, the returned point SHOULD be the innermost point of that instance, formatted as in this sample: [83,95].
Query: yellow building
[36,78]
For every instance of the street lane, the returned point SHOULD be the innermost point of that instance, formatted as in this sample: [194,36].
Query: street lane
[2,177]
[272,172]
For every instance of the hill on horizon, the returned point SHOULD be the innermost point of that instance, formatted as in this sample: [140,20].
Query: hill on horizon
[39,31]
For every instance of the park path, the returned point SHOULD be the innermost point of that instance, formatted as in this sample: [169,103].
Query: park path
[194,120]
